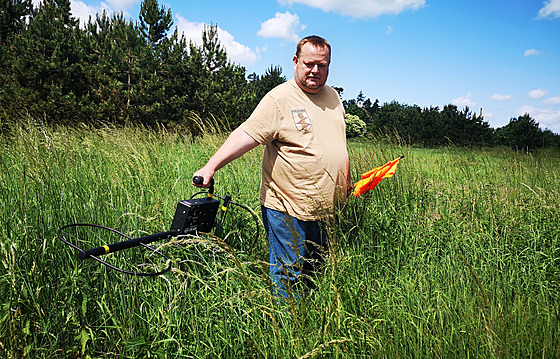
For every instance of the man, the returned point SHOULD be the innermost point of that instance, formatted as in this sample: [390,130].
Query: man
[305,169]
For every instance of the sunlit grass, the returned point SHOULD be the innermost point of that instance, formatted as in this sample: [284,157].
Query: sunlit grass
[457,255]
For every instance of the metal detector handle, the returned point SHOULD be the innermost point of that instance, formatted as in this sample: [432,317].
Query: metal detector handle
[200,180]
[109,248]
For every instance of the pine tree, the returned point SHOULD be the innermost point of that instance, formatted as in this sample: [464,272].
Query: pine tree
[219,88]
[12,17]
[115,56]
[155,22]
[45,64]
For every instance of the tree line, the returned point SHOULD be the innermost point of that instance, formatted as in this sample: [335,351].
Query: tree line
[431,127]
[117,71]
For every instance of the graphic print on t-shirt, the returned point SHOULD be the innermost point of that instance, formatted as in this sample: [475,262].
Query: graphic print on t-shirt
[301,119]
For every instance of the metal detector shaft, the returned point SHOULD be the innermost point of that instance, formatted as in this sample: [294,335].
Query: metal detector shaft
[109,248]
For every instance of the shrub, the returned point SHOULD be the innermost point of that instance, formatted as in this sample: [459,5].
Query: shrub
[354,126]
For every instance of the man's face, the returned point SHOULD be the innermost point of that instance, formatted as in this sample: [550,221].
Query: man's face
[312,68]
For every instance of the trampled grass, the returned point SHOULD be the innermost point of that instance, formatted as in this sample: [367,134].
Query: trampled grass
[457,255]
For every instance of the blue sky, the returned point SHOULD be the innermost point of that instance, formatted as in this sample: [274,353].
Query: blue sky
[499,55]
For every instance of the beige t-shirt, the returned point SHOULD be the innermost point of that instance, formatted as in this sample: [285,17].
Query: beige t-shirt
[305,163]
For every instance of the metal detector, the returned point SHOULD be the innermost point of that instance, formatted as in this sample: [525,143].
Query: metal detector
[192,216]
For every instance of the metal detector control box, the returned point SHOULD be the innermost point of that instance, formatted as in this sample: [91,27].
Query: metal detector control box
[195,215]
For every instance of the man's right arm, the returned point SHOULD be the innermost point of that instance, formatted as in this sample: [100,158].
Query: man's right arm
[237,144]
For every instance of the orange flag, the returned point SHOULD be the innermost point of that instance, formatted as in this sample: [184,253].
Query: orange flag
[372,178]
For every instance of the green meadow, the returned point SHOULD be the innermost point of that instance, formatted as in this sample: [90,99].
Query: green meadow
[456,256]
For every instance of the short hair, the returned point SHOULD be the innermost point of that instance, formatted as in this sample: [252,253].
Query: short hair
[314,40]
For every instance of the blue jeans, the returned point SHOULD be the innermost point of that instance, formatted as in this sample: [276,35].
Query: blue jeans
[295,248]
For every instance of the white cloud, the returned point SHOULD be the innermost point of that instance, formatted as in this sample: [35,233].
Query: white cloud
[546,117]
[532,52]
[537,94]
[551,9]
[498,97]
[361,8]
[463,101]
[389,30]
[82,11]
[191,30]
[283,26]
[236,51]
[552,101]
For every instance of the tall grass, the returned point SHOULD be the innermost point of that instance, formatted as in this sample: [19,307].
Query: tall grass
[458,255]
